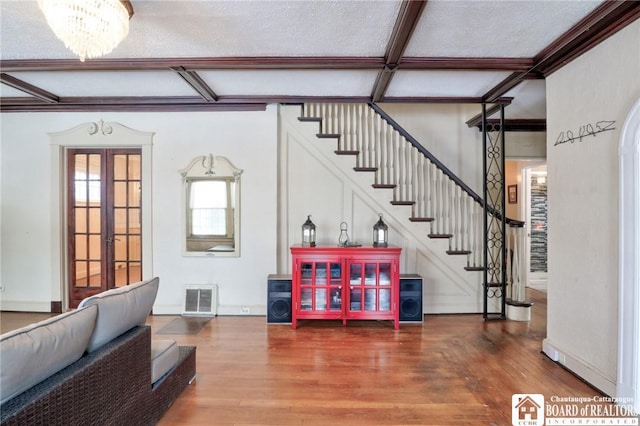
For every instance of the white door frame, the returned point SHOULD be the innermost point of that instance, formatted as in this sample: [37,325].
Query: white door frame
[88,135]
[628,380]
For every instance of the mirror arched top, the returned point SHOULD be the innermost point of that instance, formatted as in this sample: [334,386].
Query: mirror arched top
[211,194]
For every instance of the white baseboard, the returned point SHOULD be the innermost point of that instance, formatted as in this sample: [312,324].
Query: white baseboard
[24,306]
[223,310]
[540,285]
[580,368]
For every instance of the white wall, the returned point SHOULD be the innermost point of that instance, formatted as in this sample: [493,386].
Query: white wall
[251,141]
[602,84]
[248,139]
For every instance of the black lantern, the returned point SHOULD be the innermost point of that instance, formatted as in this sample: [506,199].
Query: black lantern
[308,233]
[380,233]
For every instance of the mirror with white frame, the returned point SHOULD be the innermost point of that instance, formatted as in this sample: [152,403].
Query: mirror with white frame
[211,194]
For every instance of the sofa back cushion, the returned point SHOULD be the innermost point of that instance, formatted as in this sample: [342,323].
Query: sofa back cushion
[32,353]
[120,309]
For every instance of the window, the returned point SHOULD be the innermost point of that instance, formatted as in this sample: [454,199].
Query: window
[211,207]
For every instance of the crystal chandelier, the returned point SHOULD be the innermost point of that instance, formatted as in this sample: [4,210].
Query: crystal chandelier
[89,28]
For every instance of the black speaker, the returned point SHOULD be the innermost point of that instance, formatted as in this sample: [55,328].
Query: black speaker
[279,299]
[411,298]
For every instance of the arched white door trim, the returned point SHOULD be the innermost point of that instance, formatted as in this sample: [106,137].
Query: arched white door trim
[628,380]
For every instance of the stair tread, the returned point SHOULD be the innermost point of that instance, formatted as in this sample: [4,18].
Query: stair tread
[344,152]
[440,235]
[474,268]
[421,219]
[327,135]
[403,203]
[310,119]
[384,185]
[454,252]
[365,169]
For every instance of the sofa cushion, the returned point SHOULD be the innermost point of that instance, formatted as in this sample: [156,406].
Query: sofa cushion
[33,353]
[164,356]
[120,309]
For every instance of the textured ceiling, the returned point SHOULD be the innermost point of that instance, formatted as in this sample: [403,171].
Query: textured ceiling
[288,51]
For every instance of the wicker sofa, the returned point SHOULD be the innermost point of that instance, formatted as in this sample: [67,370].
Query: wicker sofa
[96,365]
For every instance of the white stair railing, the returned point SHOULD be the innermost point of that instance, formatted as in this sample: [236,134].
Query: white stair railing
[419,180]
[515,262]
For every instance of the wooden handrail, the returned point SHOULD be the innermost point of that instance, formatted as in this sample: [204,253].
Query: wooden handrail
[444,169]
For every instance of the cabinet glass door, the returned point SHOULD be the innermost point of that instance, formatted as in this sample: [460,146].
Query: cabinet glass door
[369,287]
[320,286]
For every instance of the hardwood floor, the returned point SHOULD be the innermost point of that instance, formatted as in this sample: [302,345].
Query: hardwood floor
[451,370]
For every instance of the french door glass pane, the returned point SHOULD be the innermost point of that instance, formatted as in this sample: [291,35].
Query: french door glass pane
[119,220]
[81,247]
[134,194]
[95,166]
[81,193]
[134,167]
[134,247]
[120,167]
[81,278]
[120,194]
[95,221]
[135,272]
[95,248]
[134,221]
[81,220]
[95,276]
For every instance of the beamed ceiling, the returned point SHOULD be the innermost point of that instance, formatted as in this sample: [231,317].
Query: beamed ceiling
[192,55]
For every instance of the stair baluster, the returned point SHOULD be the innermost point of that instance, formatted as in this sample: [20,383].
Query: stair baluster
[453,210]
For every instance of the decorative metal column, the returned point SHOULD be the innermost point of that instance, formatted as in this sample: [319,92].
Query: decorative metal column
[495,271]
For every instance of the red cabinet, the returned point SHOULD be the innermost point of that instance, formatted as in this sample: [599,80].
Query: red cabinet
[345,283]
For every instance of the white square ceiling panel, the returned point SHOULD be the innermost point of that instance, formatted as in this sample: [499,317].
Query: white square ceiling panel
[259,28]
[515,29]
[103,83]
[444,83]
[291,82]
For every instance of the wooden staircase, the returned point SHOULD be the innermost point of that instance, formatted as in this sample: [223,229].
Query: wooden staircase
[435,195]
[397,162]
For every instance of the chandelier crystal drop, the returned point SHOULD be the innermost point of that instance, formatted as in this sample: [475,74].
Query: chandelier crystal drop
[89,28]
